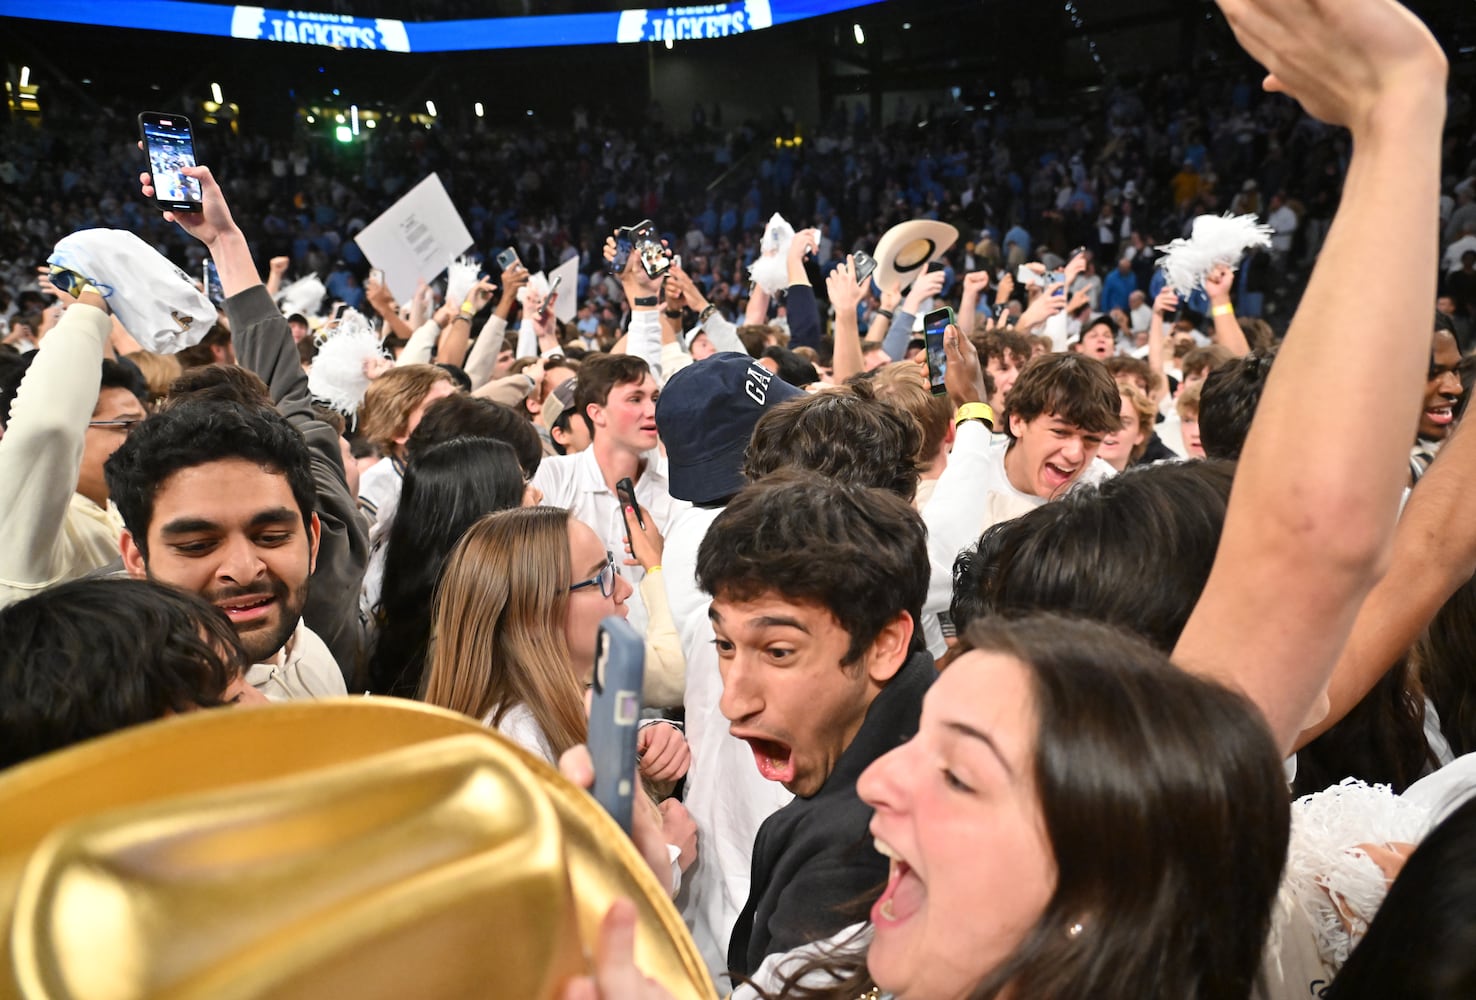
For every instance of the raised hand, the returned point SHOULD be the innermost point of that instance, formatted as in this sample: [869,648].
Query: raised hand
[924,288]
[1217,284]
[213,221]
[1344,62]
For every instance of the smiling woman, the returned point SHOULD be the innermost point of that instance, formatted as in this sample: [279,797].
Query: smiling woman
[1058,828]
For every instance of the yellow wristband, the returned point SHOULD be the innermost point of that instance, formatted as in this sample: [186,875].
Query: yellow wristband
[467,310]
[975,411]
[1224,309]
[654,568]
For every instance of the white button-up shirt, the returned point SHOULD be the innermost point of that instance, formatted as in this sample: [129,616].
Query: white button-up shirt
[577,483]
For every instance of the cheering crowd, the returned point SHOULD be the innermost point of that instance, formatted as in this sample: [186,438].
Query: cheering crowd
[1110,646]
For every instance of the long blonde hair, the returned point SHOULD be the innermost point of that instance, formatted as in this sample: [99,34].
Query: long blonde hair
[497,627]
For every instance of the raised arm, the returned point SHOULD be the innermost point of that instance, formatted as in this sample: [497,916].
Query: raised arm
[974,285]
[42,448]
[263,343]
[1228,333]
[845,295]
[1166,302]
[1434,554]
[1309,529]
[803,313]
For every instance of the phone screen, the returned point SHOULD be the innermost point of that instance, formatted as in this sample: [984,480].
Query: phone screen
[624,244]
[934,324]
[213,290]
[171,145]
[653,255]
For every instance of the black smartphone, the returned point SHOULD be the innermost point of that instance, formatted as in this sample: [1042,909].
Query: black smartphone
[213,290]
[647,242]
[507,258]
[626,491]
[615,714]
[936,265]
[865,266]
[543,309]
[934,324]
[169,142]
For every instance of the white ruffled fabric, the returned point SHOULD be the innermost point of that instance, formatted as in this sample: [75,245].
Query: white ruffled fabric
[154,300]
[461,277]
[305,296]
[1337,885]
[337,377]
[1213,240]
[536,283]
[771,270]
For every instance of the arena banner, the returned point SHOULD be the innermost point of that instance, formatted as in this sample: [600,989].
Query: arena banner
[695,22]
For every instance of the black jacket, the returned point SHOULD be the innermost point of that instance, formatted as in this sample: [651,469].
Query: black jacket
[813,860]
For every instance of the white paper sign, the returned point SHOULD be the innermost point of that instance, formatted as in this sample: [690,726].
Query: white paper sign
[567,304]
[415,237]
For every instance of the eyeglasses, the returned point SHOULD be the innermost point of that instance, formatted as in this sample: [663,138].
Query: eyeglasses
[125,425]
[604,579]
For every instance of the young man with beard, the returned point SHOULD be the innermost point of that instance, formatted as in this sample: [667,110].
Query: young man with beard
[817,587]
[1443,390]
[218,499]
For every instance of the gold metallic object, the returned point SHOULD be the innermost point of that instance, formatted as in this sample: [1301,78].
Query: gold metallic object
[359,847]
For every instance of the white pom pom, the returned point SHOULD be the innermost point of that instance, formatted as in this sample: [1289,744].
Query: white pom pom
[461,276]
[536,283]
[771,271]
[1213,240]
[337,376]
[305,295]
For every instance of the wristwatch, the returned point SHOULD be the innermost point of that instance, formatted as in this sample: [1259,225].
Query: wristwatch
[645,300]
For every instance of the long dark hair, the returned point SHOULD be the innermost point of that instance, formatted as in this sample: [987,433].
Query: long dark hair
[447,489]
[1166,808]
[1422,942]
[1381,740]
[1444,655]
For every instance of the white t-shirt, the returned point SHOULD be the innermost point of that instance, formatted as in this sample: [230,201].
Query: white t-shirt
[973,494]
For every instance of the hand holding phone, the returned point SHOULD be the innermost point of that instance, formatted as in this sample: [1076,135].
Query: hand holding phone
[935,324]
[614,715]
[548,299]
[169,143]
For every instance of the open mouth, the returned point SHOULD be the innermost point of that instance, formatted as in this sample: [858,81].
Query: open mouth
[1057,476]
[249,608]
[904,894]
[775,760]
[1440,415]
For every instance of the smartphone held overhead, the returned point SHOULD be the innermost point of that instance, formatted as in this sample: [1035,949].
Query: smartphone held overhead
[644,241]
[169,143]
[935,324]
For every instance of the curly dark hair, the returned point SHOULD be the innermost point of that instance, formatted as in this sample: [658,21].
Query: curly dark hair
[92,656]
[861,553]
[196,432]
[846,434]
